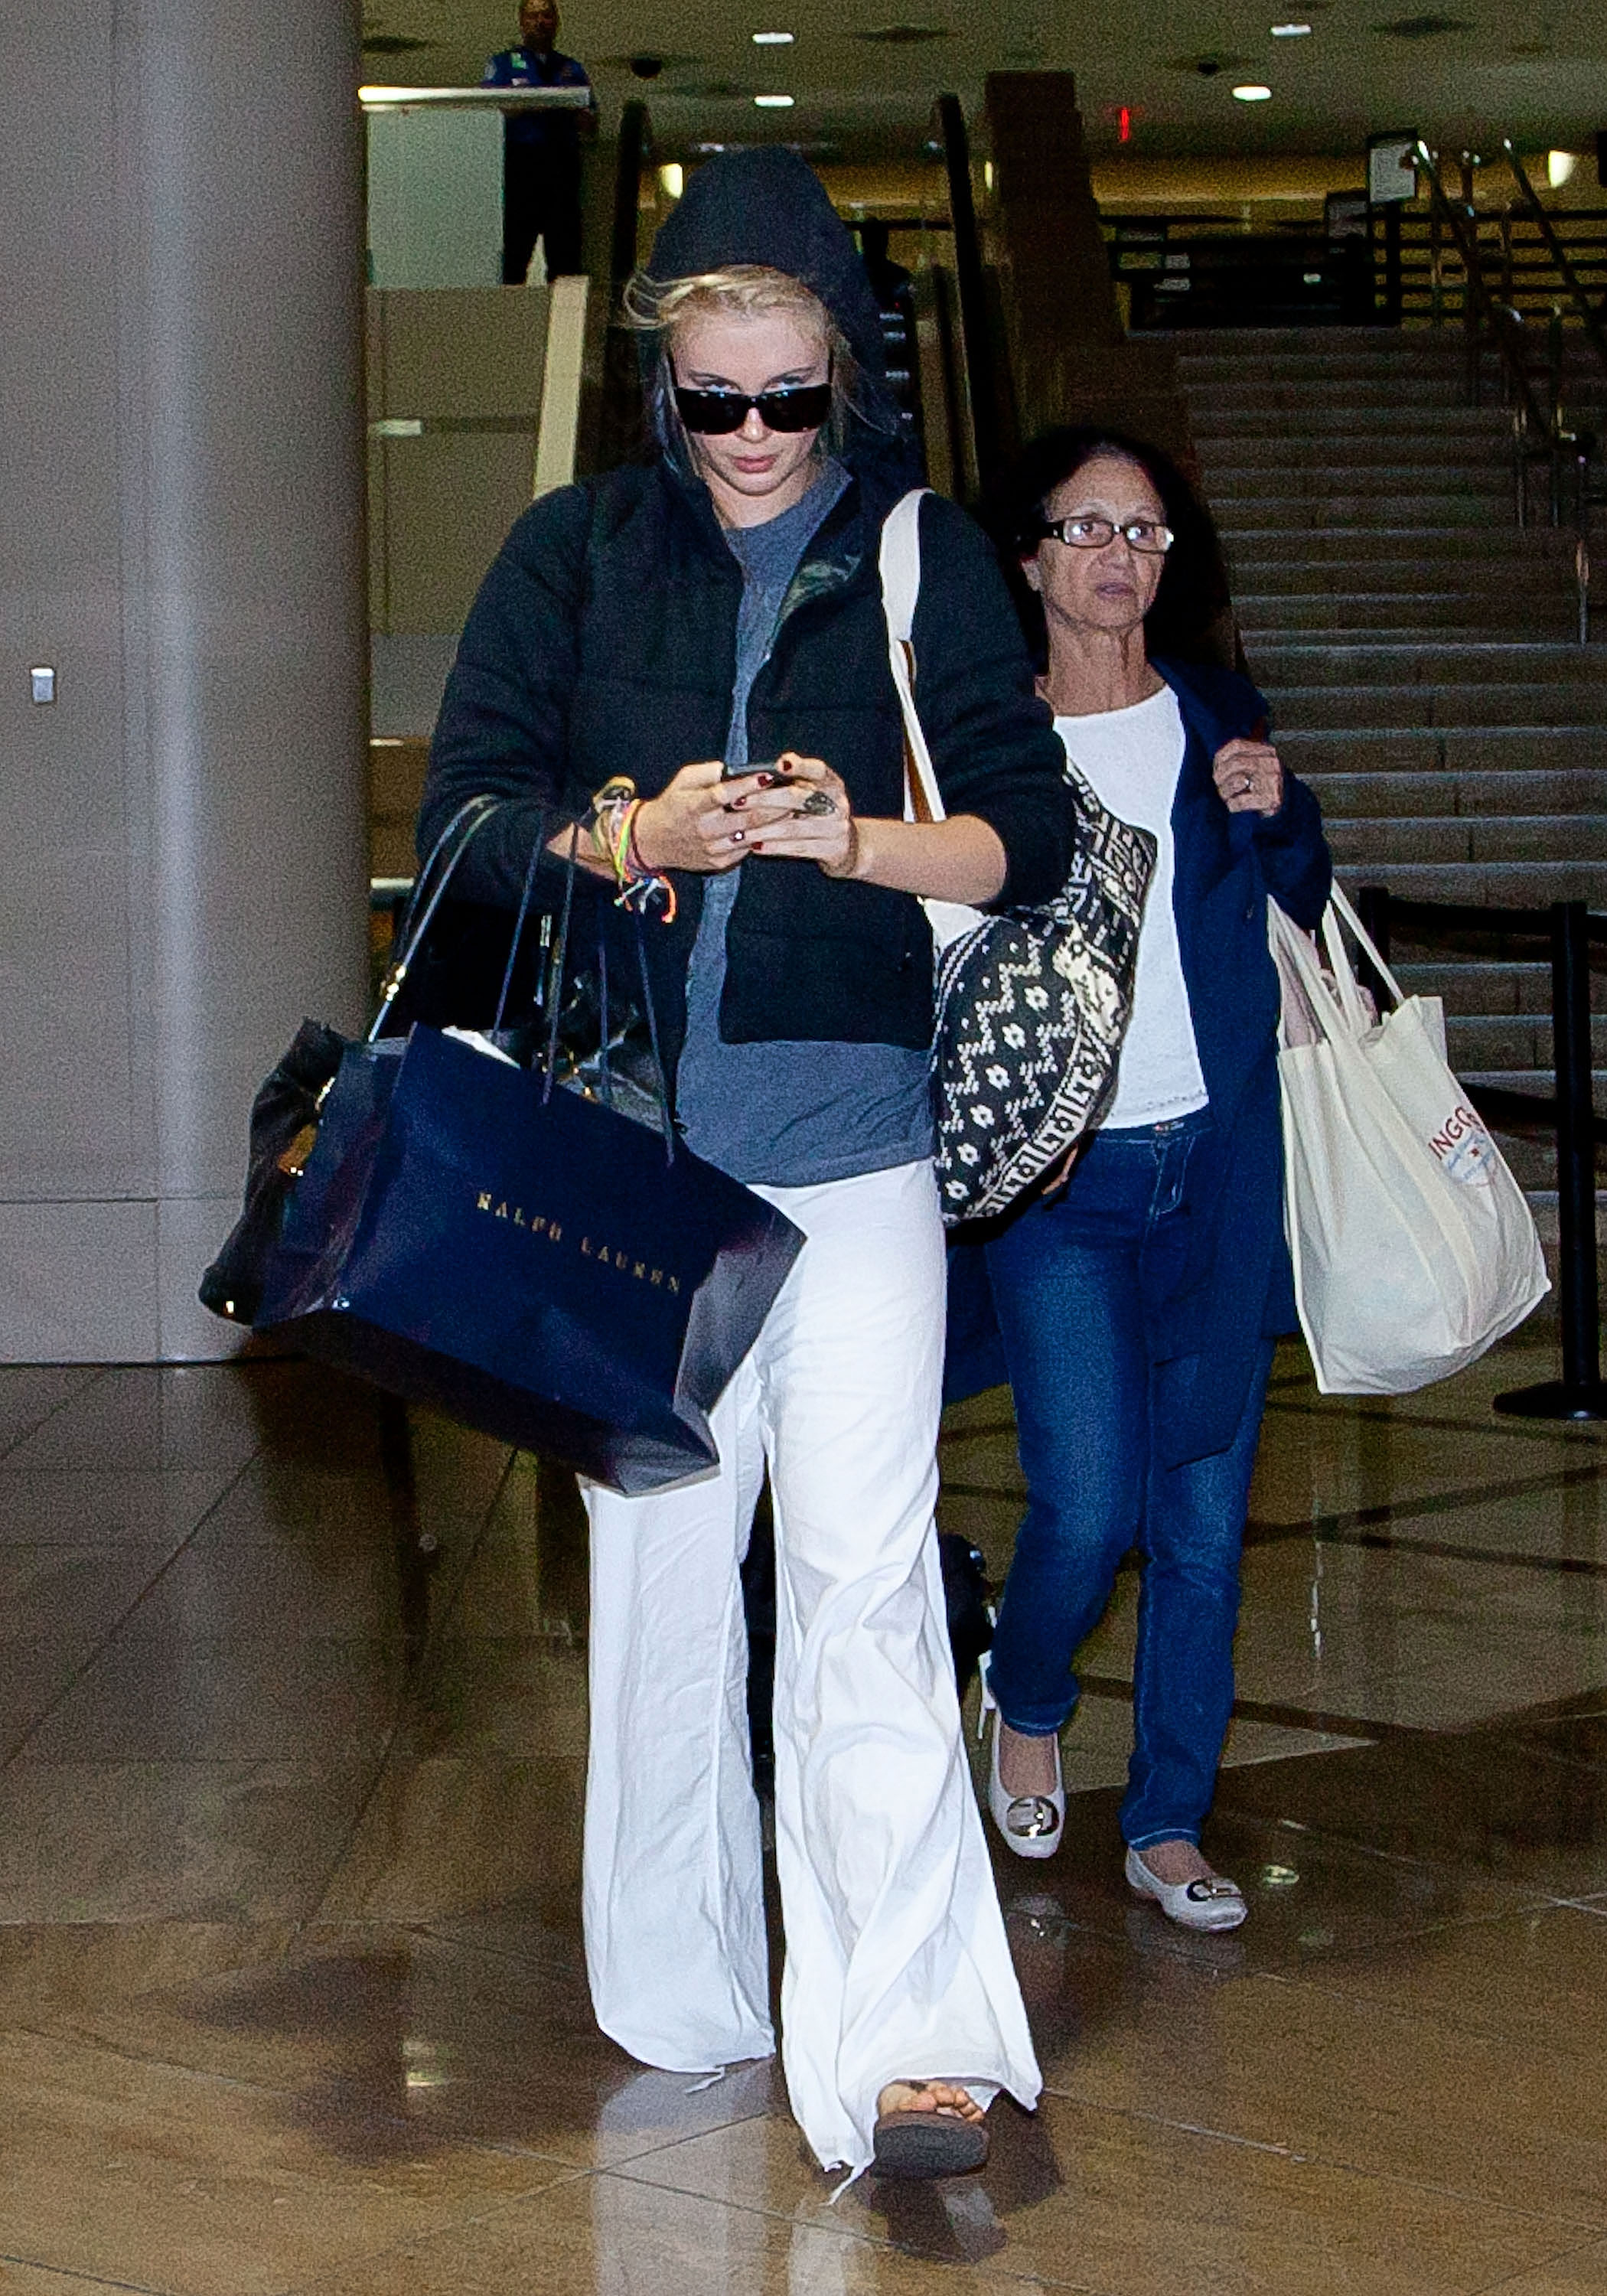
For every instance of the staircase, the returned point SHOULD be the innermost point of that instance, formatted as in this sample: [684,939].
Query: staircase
[1417,650]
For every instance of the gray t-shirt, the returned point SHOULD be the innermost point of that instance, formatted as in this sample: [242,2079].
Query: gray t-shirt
[789,1114]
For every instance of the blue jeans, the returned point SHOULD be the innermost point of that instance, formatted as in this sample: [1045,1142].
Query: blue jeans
[1075,1281]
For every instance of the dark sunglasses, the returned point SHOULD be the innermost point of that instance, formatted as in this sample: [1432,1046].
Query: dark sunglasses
[715,413]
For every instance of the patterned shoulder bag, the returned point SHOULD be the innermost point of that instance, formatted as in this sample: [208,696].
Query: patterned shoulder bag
[1032,1002]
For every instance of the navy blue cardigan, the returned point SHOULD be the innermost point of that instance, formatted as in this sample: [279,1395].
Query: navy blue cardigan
[1236,1289]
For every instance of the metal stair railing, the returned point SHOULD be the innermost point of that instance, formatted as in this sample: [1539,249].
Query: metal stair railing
[1589,319]
[1540,433]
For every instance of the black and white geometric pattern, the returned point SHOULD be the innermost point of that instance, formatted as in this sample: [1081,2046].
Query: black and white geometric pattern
[1031,1008]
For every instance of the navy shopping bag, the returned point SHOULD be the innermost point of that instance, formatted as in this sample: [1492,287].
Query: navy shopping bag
[527,1260]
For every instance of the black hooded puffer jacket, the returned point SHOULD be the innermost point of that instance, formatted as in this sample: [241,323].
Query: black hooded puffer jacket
[603,641]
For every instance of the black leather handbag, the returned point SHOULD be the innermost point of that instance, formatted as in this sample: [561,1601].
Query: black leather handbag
[283,1124]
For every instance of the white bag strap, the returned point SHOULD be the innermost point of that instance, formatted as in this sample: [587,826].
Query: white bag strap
[1334,998]
[900,566]
[1346,984]
[1338,901]
[1298,964]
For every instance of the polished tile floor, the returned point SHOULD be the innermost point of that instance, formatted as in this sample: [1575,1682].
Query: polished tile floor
[292,1734]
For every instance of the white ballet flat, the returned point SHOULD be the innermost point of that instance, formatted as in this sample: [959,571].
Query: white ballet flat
[1214,1903]
[1031,1825]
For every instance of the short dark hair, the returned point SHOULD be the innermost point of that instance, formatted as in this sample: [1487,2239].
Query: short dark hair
[1193,583]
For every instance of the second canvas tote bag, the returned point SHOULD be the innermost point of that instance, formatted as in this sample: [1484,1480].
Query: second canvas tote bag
[1413,1247]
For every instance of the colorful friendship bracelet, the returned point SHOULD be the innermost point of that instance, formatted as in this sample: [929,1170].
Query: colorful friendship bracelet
[613,825]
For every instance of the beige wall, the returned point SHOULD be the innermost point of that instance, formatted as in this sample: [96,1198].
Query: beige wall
[467,364]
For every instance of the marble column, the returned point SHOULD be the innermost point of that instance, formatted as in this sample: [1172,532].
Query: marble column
[181,540]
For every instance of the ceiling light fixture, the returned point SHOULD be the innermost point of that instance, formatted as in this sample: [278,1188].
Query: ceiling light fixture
[1289,31]
[773,39]
[1252,92]
[774,102]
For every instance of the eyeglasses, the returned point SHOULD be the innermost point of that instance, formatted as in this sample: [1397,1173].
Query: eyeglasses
[715,413]
[1141,534]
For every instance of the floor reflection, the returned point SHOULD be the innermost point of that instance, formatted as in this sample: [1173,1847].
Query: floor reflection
[292,1726]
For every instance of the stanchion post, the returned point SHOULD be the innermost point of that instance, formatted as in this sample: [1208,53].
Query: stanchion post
[1576,1146]
[1579,1393]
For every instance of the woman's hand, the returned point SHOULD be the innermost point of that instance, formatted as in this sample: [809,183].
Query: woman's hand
[1249,776]
[700,822]
[800,811]
[810,817]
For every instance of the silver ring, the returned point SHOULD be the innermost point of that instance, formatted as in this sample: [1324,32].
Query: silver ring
[817,802]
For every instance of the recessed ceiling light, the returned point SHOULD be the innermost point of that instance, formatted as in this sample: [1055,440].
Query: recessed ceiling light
[1289,31]
[774,102]
[773,39]
[1253,93]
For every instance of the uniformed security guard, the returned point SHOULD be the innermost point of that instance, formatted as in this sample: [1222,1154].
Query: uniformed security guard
[541,150]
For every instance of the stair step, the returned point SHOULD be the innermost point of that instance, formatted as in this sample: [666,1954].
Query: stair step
[1369,707]
[1541,1084]
[1437,661]
[1437,749]
[1284,469]
[1411,598]
[1320,395]
[1484,884]
[1489,551]
[1390,844]
[1402,621]
[1479,987]
[1510,1044]
[1295,340]
[1243,511]
[1393,589]
[1537,798]
[1228,425]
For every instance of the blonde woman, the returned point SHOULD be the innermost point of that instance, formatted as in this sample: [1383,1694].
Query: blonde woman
[709,629]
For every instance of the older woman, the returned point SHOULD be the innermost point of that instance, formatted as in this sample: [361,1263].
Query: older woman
[1138,1302]
[690,660]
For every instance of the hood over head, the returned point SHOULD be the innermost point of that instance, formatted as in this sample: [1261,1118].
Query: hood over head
[768,206]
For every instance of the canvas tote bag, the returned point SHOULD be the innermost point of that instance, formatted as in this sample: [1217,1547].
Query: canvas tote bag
[1413,1247]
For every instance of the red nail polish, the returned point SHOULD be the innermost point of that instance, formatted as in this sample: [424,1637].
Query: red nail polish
[737,803]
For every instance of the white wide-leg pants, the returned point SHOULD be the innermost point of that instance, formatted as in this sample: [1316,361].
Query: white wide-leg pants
[897,1963]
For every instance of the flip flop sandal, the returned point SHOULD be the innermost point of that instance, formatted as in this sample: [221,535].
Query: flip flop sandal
[934,2144]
